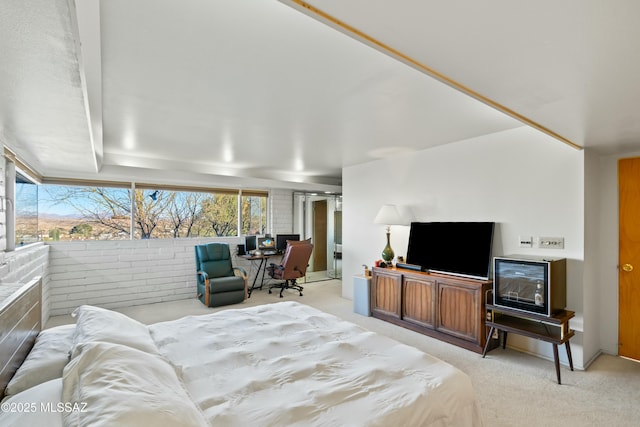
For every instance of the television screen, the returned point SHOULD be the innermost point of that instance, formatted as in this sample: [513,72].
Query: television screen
[459,248]
[281,240]
[250,243]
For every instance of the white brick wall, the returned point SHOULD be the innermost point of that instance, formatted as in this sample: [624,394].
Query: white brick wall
[125,273]
[281,213]
[24,264]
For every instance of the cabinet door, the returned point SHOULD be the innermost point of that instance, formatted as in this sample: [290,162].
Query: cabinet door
[459,310]
[385,294]
[418,301]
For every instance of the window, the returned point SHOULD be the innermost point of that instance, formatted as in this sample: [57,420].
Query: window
[84,213]
[172,214]
[26,208]
[254,214]
[104,213]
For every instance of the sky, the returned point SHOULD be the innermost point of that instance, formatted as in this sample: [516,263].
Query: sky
[49,201]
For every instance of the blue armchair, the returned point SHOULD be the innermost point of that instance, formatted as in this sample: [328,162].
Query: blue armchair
[217,282]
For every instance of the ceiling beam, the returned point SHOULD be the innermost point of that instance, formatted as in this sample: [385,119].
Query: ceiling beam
[87,37]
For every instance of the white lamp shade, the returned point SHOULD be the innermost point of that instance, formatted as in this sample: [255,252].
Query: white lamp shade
[388,215]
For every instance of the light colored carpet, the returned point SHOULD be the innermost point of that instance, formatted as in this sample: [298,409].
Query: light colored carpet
[513,388]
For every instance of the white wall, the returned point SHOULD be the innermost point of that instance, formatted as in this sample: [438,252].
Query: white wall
[281,211]
[24,264]
[526,182]
[124,273]
[591,283]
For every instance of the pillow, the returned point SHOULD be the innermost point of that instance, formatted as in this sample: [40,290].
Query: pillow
[121,386]
[47,359]
[99,324]
[37,406]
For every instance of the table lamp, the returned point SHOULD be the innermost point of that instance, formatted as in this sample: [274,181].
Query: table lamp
[388,215]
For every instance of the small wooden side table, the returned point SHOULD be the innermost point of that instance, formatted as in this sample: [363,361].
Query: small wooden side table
[554,329]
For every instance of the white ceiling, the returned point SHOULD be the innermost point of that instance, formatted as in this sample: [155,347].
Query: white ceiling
[263,93]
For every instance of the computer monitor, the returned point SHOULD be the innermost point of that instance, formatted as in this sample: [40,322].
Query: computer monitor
[266,243]
[281,241]
[250,243]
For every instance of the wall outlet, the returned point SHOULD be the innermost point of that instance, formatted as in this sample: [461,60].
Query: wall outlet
[551,242]
[525,242]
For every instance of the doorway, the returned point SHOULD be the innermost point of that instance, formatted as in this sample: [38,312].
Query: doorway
[318,216]
[629,258]
[320,235]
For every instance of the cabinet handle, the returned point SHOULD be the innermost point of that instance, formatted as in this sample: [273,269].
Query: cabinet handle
[627,267]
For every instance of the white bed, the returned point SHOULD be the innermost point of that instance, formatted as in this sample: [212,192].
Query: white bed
[281,364]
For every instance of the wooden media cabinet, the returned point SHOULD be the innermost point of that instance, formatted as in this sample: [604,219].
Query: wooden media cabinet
[445,307]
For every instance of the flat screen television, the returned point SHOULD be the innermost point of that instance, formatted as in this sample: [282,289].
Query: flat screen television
[281,241]
[458,248]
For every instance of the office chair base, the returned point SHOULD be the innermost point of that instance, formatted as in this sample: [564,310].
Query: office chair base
[287,284]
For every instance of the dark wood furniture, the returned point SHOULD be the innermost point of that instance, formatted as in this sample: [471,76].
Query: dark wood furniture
[446,307]
[554,329]
[20,323]
[260,270]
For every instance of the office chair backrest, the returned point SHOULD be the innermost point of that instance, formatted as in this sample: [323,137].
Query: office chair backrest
[214,259]
[296,259]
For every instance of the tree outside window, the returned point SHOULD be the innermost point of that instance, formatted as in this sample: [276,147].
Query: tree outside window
[104,213]
[254,214]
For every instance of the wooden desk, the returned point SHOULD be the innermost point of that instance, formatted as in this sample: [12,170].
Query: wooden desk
[262,265]
[554,329]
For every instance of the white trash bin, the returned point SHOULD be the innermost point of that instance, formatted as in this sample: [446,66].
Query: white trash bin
[361,286]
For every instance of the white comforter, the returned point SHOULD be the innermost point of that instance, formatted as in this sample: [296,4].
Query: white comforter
[288,364]
[283,364]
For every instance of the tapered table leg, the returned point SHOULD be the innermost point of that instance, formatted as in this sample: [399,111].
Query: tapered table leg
[568,347]
[486,344]
[557,361]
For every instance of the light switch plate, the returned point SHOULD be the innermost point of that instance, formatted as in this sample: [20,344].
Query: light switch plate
[551,242]
[525,241]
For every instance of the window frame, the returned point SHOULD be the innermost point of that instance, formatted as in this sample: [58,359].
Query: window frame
[24,177]
[133,186]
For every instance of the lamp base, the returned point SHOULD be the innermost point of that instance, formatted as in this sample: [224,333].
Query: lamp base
[387,252]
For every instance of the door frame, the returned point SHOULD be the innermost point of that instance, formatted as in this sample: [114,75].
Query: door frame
[628,255]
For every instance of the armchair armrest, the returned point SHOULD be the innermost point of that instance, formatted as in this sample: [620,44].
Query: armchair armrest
[245,276]
[204,275]
[205,278]
[242,272]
